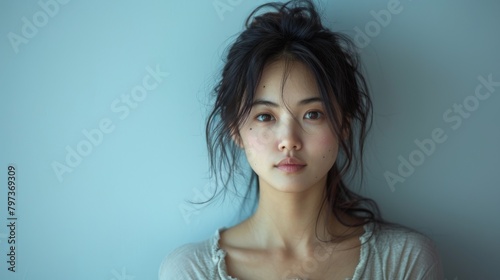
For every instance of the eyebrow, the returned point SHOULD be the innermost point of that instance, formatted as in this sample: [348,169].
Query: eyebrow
[272,104]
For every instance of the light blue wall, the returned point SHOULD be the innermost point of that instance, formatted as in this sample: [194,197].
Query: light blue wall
[116,212]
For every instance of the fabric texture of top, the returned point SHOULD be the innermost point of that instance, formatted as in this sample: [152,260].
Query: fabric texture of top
[393,253]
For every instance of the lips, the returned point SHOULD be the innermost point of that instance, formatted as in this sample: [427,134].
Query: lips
[290,165]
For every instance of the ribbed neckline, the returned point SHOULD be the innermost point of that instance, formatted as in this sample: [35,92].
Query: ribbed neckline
[219,255]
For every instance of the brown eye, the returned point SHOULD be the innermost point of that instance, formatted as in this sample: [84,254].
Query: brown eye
[264,118]
[313,115]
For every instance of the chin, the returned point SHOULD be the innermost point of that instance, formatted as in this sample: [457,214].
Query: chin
[293,188]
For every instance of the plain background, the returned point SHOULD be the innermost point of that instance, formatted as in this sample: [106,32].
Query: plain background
[122,208]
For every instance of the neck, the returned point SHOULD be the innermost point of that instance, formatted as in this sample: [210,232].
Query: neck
[289,220]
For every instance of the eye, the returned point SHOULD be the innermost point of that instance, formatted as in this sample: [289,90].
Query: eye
[264,118]
[313,115]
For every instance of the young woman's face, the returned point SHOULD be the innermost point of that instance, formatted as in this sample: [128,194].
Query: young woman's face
[287,137]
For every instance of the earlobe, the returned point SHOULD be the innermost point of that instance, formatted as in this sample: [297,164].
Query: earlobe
[237,139]
[346,130]
[345,133]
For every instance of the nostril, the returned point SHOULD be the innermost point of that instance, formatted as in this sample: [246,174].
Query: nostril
[283,147]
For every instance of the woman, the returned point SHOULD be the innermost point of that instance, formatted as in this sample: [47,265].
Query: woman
[292,98]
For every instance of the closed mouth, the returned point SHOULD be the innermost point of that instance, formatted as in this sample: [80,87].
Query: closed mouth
[291,165]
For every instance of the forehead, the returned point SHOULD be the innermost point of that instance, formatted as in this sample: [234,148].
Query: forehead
[286,81]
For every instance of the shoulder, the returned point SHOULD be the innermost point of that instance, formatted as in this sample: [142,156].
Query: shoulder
[400,237]
[189,261]
[402,253]
[405,242]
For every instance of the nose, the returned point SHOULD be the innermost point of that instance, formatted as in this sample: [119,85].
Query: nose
[290,138]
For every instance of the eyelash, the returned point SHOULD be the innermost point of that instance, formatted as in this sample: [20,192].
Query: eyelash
[318,112]
[260,116]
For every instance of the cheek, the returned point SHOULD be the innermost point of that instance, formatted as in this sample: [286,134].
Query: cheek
[254,142]
[255,147]
[328,147]
[257,139]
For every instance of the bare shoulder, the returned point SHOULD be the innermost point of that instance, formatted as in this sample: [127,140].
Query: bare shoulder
[235,242]
[234,237]
[242,260]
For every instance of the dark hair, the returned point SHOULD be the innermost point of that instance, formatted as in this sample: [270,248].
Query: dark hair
[294,32]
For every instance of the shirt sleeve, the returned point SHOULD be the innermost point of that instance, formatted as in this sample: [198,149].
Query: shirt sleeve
[427,262]
[400,253]
[419,258]
[182,264]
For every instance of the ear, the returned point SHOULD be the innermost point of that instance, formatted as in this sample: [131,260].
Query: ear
[345,133]
[345,129]
[235,135]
